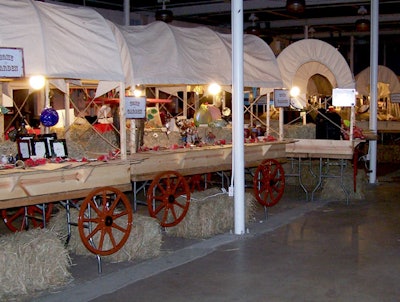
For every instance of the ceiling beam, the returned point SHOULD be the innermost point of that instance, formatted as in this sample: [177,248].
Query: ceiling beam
[325,34]
[224,7]
[329,21]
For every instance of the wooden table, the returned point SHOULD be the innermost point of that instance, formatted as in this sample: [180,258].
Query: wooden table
[320,149]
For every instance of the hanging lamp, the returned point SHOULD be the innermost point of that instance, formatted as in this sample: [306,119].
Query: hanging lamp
[362,24]
[164,14]
[296,6]
[253,29]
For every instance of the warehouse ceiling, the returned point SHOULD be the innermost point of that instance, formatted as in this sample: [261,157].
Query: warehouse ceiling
[330,20]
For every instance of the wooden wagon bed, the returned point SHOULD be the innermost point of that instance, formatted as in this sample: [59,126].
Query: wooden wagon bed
[60,181]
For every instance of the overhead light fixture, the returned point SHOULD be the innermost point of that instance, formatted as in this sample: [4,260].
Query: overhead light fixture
[37,82]
[253,29]
[214,89]
[296,6]
[294,91]
[362,24]
[164,14]
[139,91]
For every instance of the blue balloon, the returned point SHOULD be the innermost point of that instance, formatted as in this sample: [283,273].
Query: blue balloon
[49,117]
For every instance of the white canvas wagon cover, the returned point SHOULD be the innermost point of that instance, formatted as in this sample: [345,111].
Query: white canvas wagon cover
[301,60]
[60,42]
[163,54]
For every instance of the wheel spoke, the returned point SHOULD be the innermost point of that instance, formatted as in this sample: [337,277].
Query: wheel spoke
[92,220]
[118,227]
[174,213]
[101,240]
[94,207]
[159,208]
[115,202]
[161,188]
[119,215]
[19,213]
[176,203]
[111,236]
[93,232]
[176,184]
[165,216]
[104,200]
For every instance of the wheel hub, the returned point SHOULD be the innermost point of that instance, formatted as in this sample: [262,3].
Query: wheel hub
[108,221]
[171,198]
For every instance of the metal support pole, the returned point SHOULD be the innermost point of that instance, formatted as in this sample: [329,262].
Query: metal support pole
[238,115]
[373,84]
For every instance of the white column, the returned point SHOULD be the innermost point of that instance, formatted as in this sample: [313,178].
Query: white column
[66,107]
[238,116]
[373,84]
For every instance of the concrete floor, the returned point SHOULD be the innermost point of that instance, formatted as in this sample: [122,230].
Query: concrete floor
[307,251]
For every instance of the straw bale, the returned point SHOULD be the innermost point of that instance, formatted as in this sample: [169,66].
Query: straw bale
[309,171]
[156,137]
[144,240]
[32,261]
[332,187]
[8,147]
[211,212]
[83,141]
[299,131]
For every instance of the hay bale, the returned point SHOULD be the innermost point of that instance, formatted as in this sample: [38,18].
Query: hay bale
[144,240]
[299,131]
[8,147]
[211,212]
[332,188]
[32,261]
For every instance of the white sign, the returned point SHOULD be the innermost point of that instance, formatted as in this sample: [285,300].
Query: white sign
[281,98]
[343,97]
[135,107]
[11,63]
[395,97]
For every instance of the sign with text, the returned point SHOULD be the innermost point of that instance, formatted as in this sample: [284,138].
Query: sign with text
[11,63]
[135,107]
[395,97]
[342,97]
[281,98]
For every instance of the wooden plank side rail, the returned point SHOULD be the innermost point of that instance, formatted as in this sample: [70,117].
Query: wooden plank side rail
[59,196]
[322,148]
[190,161]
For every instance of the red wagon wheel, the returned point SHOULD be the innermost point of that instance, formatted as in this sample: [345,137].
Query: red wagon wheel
[198,182]
[105,221]
[19,219]
[168,198]
[269,182]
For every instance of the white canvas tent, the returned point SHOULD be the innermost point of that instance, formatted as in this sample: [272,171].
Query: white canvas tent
[388,79]
[163,54]
[301,60]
